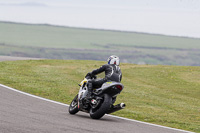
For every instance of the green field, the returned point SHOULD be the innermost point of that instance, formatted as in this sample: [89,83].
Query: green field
[165,95]
[66,37]
[54,42]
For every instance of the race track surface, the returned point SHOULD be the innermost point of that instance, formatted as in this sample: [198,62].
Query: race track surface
[11,58]
[23,113]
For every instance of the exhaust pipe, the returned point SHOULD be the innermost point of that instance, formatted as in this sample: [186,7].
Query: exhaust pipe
[122,105]
[116,108]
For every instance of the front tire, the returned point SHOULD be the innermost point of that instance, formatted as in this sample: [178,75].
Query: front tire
[73,107]
[97,113]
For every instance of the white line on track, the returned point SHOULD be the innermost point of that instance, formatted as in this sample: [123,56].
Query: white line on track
[106,114]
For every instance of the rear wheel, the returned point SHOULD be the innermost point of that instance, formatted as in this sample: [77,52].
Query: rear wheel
[98,111]
[73,108]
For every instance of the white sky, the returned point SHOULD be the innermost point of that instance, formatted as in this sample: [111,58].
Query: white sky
[169,17]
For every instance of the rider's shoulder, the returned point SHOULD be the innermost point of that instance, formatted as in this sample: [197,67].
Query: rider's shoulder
[106,65]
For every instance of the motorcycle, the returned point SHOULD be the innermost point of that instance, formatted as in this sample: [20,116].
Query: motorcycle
[101,101]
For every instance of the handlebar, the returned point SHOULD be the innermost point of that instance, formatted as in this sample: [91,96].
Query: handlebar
[90,76]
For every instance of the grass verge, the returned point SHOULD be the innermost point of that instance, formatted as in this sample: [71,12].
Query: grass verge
[164,95]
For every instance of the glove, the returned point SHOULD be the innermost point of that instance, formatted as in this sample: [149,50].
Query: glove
[89,74]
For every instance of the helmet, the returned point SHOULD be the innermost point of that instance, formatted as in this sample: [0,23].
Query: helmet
[113,59]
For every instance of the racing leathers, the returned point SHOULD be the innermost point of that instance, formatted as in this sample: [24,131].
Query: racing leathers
[112,73]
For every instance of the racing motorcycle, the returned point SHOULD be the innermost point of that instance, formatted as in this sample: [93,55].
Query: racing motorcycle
[101,101]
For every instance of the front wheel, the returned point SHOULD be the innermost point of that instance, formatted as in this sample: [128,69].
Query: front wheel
[73,107]
[99,111]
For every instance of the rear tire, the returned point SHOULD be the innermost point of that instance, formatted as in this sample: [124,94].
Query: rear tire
[73,108]
[100,112]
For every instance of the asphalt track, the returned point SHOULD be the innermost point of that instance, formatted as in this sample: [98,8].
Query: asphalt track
[24,113]
[10,58]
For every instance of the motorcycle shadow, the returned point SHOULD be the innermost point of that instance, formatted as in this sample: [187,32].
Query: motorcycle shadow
[104,118]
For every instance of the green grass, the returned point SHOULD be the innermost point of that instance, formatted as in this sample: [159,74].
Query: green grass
[165,95]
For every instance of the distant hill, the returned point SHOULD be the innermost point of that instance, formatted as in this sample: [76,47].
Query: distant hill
[57,42]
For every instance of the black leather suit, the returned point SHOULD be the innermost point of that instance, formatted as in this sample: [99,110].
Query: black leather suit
[112,73]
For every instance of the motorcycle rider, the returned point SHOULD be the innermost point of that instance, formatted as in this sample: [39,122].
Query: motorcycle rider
[112,73]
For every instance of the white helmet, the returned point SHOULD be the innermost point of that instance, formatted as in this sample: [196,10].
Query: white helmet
[113,59]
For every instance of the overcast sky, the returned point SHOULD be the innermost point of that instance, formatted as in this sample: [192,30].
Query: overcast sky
[169,17]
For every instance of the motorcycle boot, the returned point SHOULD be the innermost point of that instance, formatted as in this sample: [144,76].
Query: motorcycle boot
[89,95]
